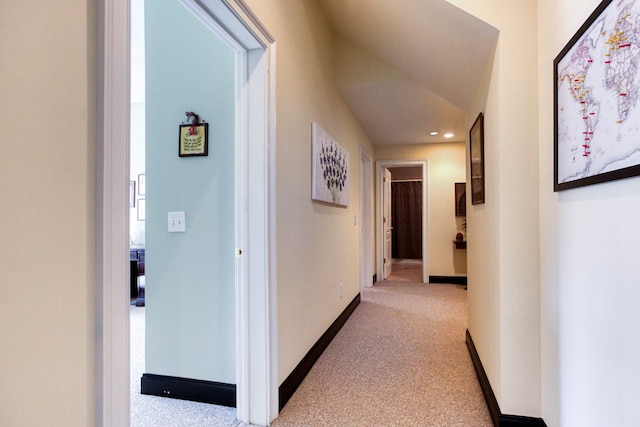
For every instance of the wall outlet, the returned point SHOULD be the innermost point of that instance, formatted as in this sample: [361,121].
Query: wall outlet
[340,290]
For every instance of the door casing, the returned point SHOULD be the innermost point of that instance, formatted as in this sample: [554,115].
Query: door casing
[366,226]
[387,227]
[256,338]
[381,165]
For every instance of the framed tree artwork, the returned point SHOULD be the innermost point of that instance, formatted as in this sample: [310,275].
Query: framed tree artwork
[330,168]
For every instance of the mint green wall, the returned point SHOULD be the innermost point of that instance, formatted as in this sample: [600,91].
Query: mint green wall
[189,276]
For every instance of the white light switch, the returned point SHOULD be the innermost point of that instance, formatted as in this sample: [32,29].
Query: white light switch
[177,222]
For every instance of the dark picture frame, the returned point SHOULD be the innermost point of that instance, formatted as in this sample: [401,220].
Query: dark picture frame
[193,140]
[476,156]
[596,121]
[460,192]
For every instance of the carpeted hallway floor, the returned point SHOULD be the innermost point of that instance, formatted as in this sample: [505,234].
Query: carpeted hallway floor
[400,360]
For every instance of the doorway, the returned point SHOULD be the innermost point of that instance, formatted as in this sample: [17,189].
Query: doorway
[186,330]
[366,223]
[406,213]
[384,221]
[256,349]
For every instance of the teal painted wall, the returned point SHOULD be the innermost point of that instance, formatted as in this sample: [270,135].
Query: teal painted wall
[189,276]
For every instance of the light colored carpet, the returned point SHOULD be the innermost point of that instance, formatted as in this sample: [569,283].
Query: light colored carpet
[154,411]
[400,360]
[405,271]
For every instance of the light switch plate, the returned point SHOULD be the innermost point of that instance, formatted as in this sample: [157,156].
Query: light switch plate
[176,222]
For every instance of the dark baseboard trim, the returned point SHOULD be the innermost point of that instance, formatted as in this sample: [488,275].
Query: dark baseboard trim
[499,419]
[293,381]
[520,421]
[189,389]
[485,385]
[456,280]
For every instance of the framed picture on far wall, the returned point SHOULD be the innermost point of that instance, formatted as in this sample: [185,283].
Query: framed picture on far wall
[194,140]
[142,184]
[142,207]
[476,151]
[461,198]
[132,194]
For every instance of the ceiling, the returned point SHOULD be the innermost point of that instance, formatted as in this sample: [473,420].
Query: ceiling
[409,67]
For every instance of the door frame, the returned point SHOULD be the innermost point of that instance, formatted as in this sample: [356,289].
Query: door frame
[387,228]
[380,166]
[366,223]
[256,329]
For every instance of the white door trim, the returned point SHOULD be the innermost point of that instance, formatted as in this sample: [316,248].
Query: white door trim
[255,279]
[112,216]
[380,166]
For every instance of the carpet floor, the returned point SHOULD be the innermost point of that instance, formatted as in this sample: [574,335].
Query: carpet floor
[400,360]
[155,411]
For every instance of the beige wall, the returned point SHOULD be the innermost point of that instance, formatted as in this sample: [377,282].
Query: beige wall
[446,166]
[504,314]
[317,244]
[589,269]
[47,217]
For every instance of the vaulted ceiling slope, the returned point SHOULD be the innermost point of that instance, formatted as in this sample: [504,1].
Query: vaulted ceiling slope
[408,67]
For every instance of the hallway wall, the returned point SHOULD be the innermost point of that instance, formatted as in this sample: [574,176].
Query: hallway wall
[503,233]
[190,276]
[562,349]
[589,269]
[317,244]
[47,226]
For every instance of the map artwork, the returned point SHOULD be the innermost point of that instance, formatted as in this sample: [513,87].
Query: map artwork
[597,96]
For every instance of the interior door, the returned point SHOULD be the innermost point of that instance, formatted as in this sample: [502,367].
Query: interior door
[386,222]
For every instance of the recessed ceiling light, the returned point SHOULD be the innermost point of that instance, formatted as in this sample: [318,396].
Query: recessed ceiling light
[448,135]
[434,133]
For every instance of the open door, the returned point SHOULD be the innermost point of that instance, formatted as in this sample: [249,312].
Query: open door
[386,221]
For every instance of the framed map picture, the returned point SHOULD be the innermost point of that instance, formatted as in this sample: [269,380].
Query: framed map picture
[596,94]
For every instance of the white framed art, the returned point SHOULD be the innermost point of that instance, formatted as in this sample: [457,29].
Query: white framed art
[330,168]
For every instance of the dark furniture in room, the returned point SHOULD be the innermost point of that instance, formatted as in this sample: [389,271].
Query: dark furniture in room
[136,260]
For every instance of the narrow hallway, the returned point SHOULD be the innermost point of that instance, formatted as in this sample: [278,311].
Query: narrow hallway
[401,359]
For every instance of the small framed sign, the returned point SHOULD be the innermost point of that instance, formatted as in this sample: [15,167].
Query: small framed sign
[193,140]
